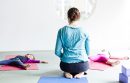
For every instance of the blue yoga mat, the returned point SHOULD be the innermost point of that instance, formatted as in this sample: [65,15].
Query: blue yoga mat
[62,80]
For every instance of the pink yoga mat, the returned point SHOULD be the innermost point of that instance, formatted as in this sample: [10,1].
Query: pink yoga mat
[33,66]
[98,66]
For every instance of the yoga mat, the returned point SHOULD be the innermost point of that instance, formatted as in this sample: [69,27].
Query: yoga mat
[33,66]
[98,66]
[62,80]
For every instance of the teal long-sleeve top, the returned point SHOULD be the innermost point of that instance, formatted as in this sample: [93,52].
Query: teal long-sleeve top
[72,45]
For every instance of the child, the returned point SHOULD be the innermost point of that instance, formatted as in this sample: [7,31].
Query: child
[19,61]
[107,58]
[72,47]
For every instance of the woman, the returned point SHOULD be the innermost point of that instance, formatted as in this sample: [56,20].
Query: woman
[72,47]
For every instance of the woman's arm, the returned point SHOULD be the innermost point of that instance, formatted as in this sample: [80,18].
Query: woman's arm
[87,46]
[58,46]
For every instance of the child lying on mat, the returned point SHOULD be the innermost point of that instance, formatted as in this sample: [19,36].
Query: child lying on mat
[19,61]
[107,58]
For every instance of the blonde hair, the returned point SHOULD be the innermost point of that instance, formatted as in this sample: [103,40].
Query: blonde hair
[31,55]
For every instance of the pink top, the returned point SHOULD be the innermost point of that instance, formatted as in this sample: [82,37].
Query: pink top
[33,61]
[99,58]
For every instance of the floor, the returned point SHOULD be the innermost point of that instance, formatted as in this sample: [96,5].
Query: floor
[110,75]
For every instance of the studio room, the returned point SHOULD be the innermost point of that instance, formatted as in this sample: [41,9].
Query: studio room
[46,31]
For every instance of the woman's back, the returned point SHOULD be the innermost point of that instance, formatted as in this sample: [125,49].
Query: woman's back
[70,37]
[73,42]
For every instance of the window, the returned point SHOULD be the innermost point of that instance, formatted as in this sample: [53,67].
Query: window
[86,7]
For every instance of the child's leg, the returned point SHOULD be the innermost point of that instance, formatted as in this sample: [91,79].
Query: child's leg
[113,62]
[5,62]
[20,64]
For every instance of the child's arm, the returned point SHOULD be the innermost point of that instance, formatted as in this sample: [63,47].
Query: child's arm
[119,58]
[33,61]
[36,61]
[113,57]
[43,62]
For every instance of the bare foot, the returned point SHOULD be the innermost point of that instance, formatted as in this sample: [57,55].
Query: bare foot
[115,63]
[68,75]
[26,66]
[80,75]
[125,58]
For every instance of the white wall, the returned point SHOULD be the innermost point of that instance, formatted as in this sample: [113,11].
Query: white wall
[33,25]
[109,26]
[28,24]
